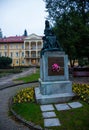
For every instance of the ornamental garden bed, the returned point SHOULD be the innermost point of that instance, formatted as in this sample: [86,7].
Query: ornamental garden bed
[25,106]
[81,72]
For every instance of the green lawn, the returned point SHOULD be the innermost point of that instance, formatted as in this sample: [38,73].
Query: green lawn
[29,111]
[74,119]
[29,78]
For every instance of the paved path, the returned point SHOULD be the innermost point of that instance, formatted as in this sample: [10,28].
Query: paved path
[8,80]
[6,123]
[81,80]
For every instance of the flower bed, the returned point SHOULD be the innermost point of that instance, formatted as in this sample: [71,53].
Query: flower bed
[24,95]
[82,90]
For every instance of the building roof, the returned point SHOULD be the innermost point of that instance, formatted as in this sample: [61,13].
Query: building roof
[33,36]
[12,39]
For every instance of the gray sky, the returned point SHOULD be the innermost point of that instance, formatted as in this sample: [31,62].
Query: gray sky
[18,15]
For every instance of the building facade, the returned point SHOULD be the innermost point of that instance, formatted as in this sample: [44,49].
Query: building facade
[24,51]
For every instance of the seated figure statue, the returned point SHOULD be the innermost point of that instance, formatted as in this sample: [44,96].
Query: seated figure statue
[49,40]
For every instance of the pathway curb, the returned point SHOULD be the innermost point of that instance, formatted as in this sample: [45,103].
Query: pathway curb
[16,84]
[27,123]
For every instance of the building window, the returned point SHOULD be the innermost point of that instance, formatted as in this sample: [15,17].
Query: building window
[17,62]
[33,55]
[11,54]
[5,46]
[38,53]
[11,46]
[16,46]
[22,54]
[33,61]
[5,54]
[23,46]
[22,61]
[17,54]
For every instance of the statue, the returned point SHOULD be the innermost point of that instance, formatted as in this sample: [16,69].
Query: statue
[49,40]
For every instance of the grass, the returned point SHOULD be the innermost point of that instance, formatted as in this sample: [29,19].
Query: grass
[29,111]
[29,78]
[3,74]
[73,119]
[6,72]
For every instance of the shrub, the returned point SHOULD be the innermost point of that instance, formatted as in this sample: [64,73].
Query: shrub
[82,90]
[24,95]
[5,62]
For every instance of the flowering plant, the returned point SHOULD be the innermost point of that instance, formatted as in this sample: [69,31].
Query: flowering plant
[55,67]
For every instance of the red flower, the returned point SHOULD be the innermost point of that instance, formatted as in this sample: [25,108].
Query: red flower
[55,67]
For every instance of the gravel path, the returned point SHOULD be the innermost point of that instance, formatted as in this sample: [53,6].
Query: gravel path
[8,80]
[6,122]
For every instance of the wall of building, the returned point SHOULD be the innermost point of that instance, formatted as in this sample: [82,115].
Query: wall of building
[23,53]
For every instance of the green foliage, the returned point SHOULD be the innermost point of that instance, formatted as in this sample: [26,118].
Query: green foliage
[71,24]
[82,90]
[5,62]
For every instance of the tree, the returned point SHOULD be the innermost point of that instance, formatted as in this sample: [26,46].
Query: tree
[25,32]
[5,62]
[1,33]
[71,24]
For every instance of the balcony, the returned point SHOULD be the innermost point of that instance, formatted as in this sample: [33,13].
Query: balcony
[27,56]
[27,48]
[33,56]
[33,47]
[39,47]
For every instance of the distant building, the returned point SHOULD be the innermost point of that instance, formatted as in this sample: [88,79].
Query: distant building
[24,51]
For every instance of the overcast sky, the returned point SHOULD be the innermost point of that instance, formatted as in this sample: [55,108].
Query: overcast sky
[18,15]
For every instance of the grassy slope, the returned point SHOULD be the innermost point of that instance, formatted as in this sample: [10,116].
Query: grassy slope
[29,78]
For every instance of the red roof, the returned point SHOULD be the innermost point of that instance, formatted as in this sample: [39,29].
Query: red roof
[12,39]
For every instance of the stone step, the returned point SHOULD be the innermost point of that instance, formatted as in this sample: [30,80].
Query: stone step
[53,98]
[51,122]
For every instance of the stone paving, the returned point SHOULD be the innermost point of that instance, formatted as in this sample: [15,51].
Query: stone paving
[75,105]
[51,122]
[6,122]
[49,115]
[80,80]
[60,107]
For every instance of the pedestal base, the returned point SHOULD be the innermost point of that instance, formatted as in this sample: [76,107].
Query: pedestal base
[53,98]
[55,87]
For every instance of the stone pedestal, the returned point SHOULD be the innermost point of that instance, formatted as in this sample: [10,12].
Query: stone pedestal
[54,86]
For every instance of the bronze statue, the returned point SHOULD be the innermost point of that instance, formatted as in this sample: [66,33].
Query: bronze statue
[49,40]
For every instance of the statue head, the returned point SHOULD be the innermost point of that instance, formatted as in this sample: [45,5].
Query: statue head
[48,30]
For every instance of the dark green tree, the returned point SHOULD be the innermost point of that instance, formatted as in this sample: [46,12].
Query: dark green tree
[71,24]
[25,32]
[5,62]
[1,36]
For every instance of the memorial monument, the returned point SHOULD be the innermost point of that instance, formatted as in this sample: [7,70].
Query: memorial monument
[54,84]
